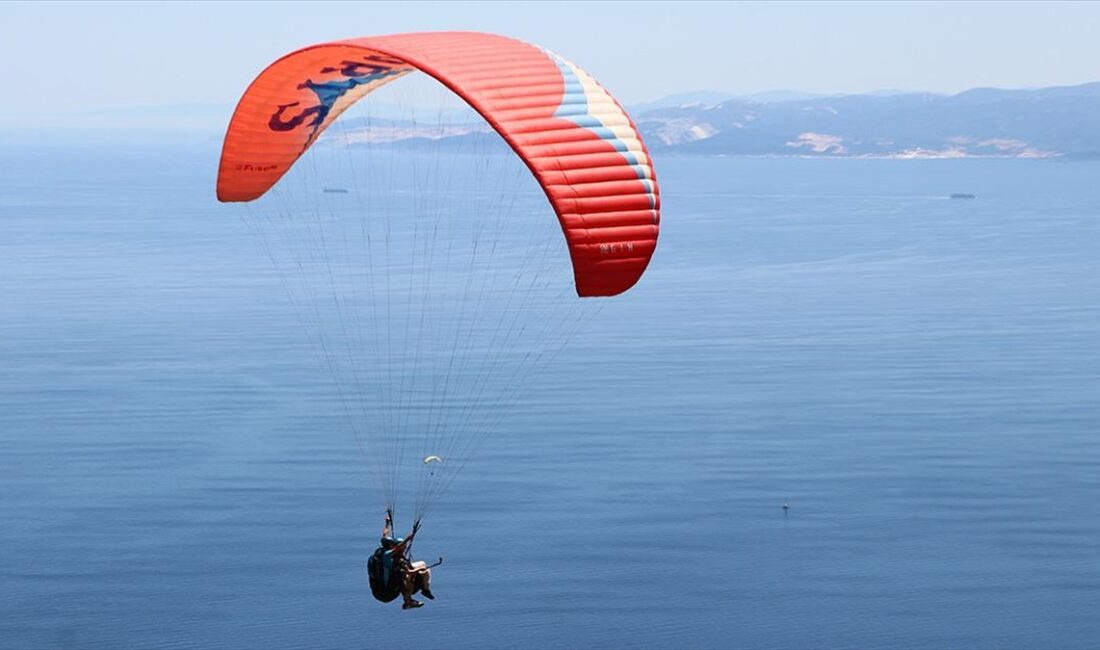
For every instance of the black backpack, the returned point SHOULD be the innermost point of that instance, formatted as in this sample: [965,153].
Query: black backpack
[383,591]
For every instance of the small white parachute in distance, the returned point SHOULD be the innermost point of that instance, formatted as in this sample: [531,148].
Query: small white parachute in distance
[432,459]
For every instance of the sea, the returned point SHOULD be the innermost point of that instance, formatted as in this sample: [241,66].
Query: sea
[916,378]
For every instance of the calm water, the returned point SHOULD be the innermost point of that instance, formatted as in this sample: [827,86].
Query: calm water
[918,376]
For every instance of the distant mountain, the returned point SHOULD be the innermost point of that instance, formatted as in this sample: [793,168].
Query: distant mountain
[699,98]
[382,130]
[1035,123]
[1045,122]
[711,98]
[705,98]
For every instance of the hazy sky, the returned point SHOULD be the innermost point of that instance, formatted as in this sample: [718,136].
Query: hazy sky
[59,58]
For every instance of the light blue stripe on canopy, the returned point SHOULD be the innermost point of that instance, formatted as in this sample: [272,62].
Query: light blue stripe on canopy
[574,107]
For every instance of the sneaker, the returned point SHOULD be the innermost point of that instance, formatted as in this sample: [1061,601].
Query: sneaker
[412,604]
[427,594]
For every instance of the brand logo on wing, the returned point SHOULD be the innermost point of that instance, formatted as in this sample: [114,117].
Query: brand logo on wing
[288,117]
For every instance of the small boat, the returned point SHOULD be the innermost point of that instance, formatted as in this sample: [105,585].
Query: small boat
[963,196]
[335,190]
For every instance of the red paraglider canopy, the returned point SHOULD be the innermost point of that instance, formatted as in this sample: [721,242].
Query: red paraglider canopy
[576,139]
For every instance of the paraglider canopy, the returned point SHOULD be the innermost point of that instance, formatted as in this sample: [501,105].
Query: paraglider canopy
[429,273]
[575,138]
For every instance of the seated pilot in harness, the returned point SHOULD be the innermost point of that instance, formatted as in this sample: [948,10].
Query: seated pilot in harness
[393,572]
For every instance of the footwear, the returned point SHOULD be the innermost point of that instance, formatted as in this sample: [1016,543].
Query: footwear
[427,594]
[412,604]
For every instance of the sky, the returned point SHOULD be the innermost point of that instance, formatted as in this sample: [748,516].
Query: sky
[70,58]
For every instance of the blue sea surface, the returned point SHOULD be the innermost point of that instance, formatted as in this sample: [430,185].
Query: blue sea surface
[917,377]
